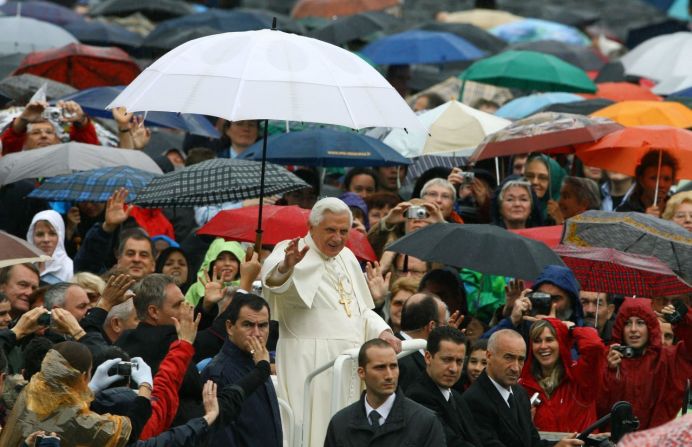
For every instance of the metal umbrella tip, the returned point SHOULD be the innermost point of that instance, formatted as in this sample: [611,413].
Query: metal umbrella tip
[274,23]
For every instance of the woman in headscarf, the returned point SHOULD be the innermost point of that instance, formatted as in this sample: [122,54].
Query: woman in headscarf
[222,261]
[545,176]
[173,261]
[47,232]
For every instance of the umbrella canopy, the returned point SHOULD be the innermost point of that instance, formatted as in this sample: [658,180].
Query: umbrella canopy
[24,35]
[577,55]
[22,87]
[326,147]
[14,250]
[9,63]
[82,66]
[66,158]
[621,150]
[685,93]
[216,181]
[40,10]
[579,15]
[479,37]
[95,100]
[661,57]
[526,105]
[586,107]
[155,10]
[550,236]
[623,91]
[482,18]
[531,30]
[97,32]
[357,26]
[648,113]
[543,131]
[609,270]
[612,71]
[637,233]
[255,79]
[529,70]
[420,47]
[95,185]
[673,85]
[336,8]
[279,223]
[451,127]
[484,248]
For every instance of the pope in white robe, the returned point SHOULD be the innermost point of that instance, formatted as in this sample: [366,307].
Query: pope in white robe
[318,293]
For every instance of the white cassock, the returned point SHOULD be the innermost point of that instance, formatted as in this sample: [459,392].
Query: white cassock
[314,327]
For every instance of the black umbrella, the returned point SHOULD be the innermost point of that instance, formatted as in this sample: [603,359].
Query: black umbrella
[357,26]
[484,248]
[586,107]
[216,181]
[477,36]
[155,10]
[635,36]
[583,57]
[21,88]
[173,38]
[611,72]
[96,32]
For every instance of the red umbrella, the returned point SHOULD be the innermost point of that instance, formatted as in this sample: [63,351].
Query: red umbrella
[622,91]
[550,236]
[331,8]
[279,223]
[82,66]
[600,269]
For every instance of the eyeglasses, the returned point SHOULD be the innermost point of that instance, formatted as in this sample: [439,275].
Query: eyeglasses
[540,177]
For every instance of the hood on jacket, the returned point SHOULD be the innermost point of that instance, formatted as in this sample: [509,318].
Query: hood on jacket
[565,343]
[638,307]
[563,278]
[196,291]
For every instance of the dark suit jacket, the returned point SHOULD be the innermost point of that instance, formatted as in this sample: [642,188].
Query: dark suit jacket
[454,414]
[494,419]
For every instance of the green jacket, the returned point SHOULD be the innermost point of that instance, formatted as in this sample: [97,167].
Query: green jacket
[196,290]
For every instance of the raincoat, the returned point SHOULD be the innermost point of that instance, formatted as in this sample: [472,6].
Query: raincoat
[572,405]
[654,383]
[196,291]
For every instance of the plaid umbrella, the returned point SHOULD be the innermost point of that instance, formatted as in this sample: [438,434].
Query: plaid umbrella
[216,181]
[96,185]
[18,251]
[608,270]
[636,233]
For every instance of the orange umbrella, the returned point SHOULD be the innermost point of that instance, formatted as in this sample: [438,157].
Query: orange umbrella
[331,8]
[622,91]
[648,113]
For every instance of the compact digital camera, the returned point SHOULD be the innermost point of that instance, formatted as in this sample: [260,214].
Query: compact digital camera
[416,212]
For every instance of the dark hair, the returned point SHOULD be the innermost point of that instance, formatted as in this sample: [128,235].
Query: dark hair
[485,102]
[34,352]
[585,190]
[137,234]
[360,171]
[451,290]
[310,177]
[434,100]
[444,333]
[434,172]
[150,290]
[479,345]
[417,314]
[198,155]
[651,159]
[374,343]
[241,300]
[3,298]
[6,271]
[163,257]
[108,353]
[76,354]
[3,362]
[381,200]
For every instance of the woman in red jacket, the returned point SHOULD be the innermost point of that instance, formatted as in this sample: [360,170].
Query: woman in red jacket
[567,388]
[654,379]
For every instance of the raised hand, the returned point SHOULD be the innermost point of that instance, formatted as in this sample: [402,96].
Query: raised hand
[115,291]
[292,256]
[186,327]
[456,319]
[66,323]
[122,117]
[554,211]
[512,294]
[249,269]
[377,283]
[213,288]
[117,211]
[72,112]
[28,322]
[211,404]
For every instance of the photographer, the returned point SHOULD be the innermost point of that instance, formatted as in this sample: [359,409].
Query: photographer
[33,129]
[474,193]
[642,371]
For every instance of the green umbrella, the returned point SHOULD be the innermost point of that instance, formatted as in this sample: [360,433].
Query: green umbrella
[529,70]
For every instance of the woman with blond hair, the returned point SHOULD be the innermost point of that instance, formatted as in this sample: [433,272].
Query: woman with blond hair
[679,209]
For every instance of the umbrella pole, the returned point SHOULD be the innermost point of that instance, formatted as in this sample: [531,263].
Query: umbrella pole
[497,170]
[258,238]
[658,176]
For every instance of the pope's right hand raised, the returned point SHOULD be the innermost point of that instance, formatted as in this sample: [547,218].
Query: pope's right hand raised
[292,256]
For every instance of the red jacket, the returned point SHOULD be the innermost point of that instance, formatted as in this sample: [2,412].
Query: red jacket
[572,406]
[653,383]
[153,221]
[164,397]
[14,142]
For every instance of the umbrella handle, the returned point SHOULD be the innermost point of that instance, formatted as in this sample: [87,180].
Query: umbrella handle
[258,241]
[658,176]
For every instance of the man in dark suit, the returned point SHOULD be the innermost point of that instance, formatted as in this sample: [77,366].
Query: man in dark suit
[383,417]
[444,359]
[500,407]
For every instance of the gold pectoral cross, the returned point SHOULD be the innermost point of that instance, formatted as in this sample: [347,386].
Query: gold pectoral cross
[343,299]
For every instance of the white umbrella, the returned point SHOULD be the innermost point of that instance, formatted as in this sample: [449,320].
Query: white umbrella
[673,84]
[25,35]
[454,128]
[661,57]
[66,158]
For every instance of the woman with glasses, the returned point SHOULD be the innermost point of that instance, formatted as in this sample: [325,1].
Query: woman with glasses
[679,209]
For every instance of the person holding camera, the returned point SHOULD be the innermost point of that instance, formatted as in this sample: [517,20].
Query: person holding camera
[640,369]
[566,389]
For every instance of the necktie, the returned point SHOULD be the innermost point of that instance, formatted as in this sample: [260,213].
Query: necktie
[374,417]
[513,406]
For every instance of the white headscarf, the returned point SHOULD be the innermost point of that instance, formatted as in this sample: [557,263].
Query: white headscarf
[60,265]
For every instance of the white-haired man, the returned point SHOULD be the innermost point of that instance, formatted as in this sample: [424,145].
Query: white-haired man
[319,295]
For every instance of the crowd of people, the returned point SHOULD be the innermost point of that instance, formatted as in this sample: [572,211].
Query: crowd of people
[140,332]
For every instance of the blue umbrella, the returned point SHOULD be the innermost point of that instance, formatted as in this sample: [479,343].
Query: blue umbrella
[530,30]
[39,10]
[528,105]
[685,93]
[326,147]
[421,47]
[96,32]
[94,101]
[96,185]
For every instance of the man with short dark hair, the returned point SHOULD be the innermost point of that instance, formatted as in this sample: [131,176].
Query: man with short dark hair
[599,309]
[18,282]
[260,421]
[444,359]
[382,417]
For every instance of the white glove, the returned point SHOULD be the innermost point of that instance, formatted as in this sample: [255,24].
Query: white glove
[141,374]
[101,380]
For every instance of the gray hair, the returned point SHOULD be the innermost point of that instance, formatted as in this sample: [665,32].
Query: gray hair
[439,182]
[494,339]
[120,311]
[55,295]
[586,191]
[150,291]
[329,205]
[520,183]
